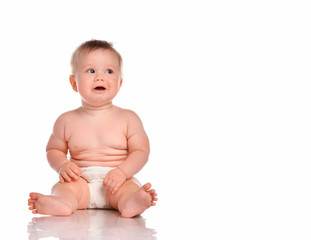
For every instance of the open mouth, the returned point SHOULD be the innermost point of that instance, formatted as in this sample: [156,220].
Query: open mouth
[100,88]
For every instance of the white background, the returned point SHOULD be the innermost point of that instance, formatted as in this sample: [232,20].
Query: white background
[222,87]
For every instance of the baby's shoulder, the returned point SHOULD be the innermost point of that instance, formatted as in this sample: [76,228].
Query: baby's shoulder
[67,116]
[132,120]
[126,113]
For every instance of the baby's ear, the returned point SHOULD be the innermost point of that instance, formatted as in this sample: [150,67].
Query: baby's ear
[73,83]
[120,84]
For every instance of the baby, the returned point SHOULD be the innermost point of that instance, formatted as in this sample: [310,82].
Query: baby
[107,144]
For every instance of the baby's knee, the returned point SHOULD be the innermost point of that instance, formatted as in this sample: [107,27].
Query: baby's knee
[59,185]
[80,182]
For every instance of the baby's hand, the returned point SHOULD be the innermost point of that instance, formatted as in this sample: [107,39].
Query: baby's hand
[114,179]
[69,171]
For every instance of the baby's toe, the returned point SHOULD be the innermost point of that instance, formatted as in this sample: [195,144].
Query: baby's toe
[34,196]
[146,187]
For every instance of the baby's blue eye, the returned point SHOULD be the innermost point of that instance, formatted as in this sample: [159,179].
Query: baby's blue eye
[109,71]
[91,71]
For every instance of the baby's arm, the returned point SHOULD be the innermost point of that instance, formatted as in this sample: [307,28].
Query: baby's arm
[138,152]
[57,152]
[138,147]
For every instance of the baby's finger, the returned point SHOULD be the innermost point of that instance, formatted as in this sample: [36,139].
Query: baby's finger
[112,186]
[72,175]
[61,179]
[109,185]
[76,170]
[116,188]
[105,181]
[66,177]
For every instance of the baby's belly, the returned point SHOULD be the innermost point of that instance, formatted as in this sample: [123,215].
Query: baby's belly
[104,157]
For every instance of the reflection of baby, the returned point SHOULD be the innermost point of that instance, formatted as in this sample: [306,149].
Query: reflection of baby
[107,144]
[90,225]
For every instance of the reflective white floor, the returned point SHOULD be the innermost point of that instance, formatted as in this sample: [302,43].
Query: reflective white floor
[170,219]
[90,224]
[225,210]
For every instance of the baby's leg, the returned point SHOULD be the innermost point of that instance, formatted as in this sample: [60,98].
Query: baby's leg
[131,199]
[65,199]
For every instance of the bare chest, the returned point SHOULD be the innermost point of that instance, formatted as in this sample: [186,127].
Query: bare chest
[89,135]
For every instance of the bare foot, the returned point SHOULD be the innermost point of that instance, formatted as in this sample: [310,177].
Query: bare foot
[137,203]
[48,205]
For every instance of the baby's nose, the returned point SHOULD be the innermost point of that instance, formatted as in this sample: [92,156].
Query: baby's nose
[99,77]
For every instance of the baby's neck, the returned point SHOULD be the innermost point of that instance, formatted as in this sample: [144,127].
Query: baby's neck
[96,109]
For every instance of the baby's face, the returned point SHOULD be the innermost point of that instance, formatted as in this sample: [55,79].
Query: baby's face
[97,77]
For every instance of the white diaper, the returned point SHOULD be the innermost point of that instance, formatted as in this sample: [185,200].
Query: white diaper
[94,177]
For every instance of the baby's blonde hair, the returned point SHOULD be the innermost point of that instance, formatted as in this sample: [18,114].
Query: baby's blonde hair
[92,45]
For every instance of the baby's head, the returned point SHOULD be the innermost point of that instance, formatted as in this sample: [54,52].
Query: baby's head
[96,72]
[90,46]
